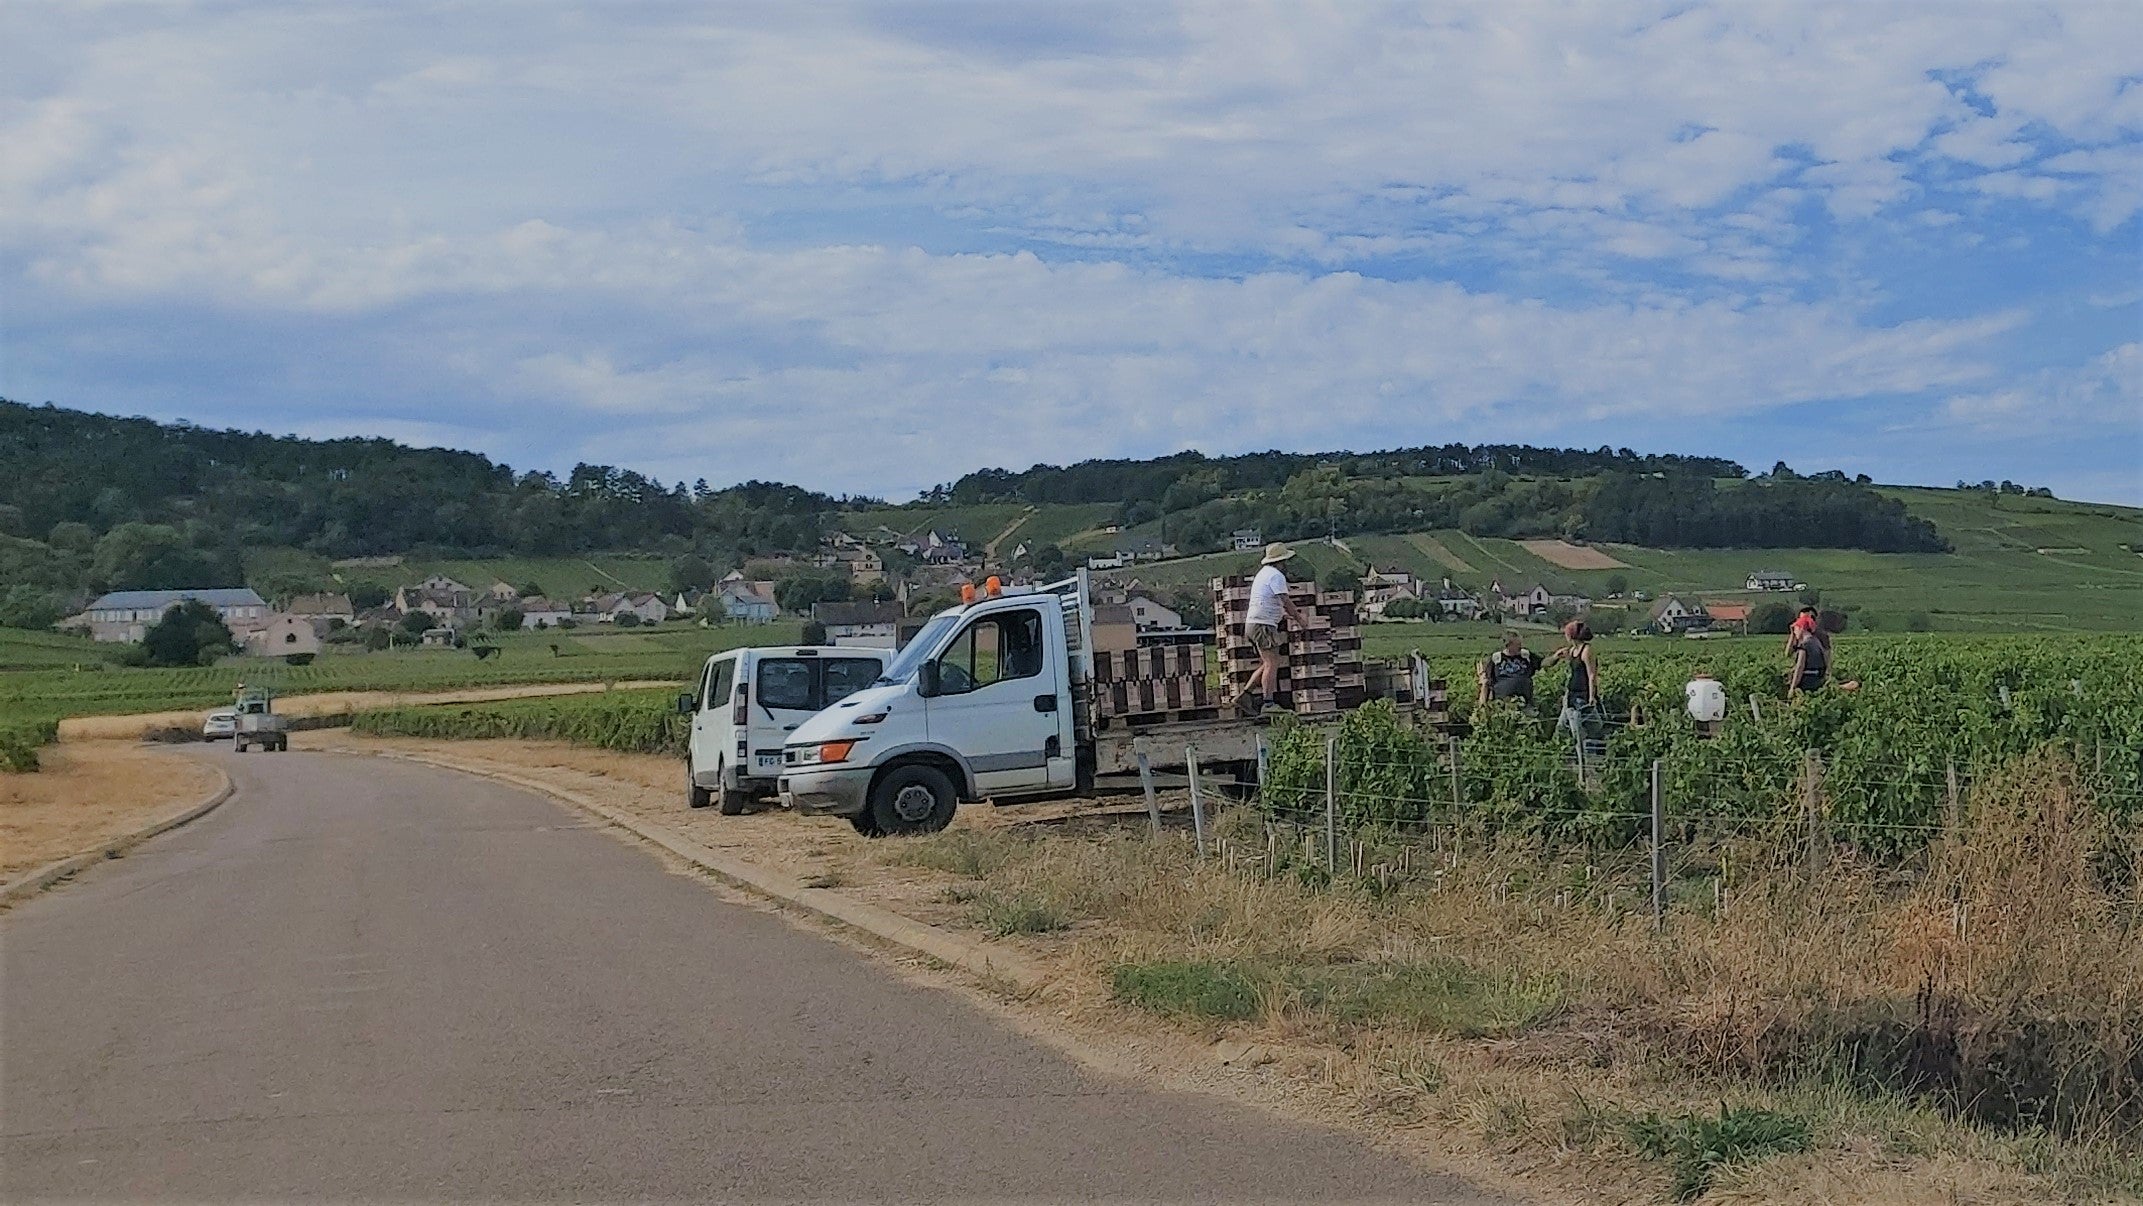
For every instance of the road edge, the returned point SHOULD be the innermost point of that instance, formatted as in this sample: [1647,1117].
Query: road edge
[30,883]
[1003,967]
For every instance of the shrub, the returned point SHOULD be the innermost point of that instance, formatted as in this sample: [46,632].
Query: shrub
[1699,1145]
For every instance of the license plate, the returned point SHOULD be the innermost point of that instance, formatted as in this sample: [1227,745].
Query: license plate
[769,762]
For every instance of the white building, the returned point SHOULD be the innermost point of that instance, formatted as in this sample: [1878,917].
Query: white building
[282,636]
[127,615]
[867,625]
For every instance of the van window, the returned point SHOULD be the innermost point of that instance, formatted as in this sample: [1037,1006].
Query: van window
[721,676]
[847,675]
[1000,647]
[785,682]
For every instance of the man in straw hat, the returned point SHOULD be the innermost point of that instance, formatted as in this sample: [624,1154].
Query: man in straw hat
[1269,604]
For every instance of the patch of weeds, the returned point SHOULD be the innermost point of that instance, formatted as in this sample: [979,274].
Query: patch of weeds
[1413,1073]
[1017,914]
[959,852]
[1198,988]
[826,879]
[1445,996]
[1697,1146]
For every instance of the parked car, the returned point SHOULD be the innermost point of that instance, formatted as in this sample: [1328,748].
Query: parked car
[748,702]
[220,725]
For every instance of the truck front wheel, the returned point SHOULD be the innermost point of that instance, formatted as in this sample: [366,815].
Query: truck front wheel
[912,799]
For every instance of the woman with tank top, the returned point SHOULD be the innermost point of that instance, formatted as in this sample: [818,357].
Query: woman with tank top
[1811,655]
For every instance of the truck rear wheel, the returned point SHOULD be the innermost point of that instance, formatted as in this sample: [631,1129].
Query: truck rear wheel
[728,800]
[912,799]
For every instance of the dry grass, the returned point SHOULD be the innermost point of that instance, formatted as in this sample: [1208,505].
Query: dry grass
[89,792]
[1936,1035]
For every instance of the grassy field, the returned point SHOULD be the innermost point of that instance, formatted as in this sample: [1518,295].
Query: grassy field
[93,687]
[2019,565]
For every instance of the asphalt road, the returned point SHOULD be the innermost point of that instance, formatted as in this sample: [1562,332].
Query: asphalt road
[363,979]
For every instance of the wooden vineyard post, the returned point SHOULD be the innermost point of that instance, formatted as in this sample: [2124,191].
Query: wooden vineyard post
[1953,816]
[1811,791]
[1145,780]
[1331,804]
[1659,854]
[1190,759]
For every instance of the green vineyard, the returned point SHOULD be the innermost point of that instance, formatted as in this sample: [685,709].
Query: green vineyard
[1884,767]
[633,721]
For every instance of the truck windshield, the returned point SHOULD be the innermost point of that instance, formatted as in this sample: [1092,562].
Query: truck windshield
[918,648]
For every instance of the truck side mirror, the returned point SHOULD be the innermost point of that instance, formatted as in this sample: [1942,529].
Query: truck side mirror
[684,704]
[926,680]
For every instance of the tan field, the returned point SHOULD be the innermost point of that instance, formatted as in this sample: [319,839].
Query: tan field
[89,792]
[1572,556]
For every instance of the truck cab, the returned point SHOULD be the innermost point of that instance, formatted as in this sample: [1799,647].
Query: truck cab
[981,704]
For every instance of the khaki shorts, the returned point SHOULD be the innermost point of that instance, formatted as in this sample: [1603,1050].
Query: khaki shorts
[1265,638]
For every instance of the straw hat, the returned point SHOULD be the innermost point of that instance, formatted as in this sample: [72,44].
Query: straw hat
[1276,553]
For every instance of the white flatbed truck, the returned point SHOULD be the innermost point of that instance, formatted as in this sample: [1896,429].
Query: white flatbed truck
[992,700]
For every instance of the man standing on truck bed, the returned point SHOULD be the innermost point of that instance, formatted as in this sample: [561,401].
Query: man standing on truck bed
[1269,604]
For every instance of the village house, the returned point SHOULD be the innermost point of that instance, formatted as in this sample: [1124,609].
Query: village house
[1533,601]
[1381,588]
[539,612]
[1727,615]
[866,625]
[322,609]
[748,602]
[283,636]
[1148,614]
[1771,580]
[1671,615]
[1109,562]
[1144,548]
[1458,604]
[502,592]
[646,607]
[127,615]
[1246,540]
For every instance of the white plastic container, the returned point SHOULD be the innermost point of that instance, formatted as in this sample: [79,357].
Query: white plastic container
[1707,700]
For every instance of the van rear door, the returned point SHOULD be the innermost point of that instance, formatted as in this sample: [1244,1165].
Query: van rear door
[790,688]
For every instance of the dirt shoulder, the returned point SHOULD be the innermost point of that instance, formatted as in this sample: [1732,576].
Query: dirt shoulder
[327,703]
[89,792]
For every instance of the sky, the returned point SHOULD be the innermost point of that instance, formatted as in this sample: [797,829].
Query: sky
[868,248]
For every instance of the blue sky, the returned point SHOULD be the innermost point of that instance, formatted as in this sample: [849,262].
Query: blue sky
[868,248]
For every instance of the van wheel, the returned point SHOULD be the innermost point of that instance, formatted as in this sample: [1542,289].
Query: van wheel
[695,795]
[912,799]
[727,800]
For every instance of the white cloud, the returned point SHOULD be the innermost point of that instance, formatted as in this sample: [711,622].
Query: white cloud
[697,235]
[2105,392]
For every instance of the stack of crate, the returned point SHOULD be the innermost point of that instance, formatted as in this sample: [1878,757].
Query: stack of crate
[1324,672]
[1159,682]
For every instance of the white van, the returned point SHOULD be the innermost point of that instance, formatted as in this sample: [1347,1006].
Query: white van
[748,702]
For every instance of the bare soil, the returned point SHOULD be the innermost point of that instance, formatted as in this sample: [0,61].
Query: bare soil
[89,792]
[1572,556]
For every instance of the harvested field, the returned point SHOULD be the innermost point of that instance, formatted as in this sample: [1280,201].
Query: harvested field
[1572,556]
[90,792]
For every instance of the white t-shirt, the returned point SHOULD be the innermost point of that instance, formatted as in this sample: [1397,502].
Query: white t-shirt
[1266,592]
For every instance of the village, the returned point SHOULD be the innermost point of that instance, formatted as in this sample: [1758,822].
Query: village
[874,590]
